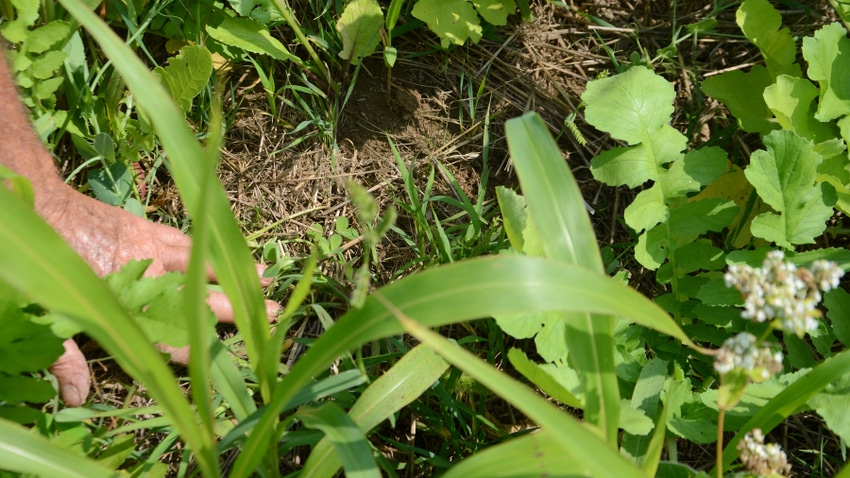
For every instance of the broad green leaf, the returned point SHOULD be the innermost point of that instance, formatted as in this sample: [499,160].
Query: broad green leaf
[540,377]
[403,383]
[742,94]
[359,28]
[761,23]
[264,11]
[784,177]
[25,452]
[833,405]
[634,107]
[25,346]
[589,451]
[453,20]
[646,397]
[547,328]
[17,389]
[46,65]
[633,420]
[187,74]
[837,303]
[533,455]
[44,37]
[790,99]
[348,440]
[112,185]
[506,284]
[250,36]
[556,209]
[495,11]
[828,56]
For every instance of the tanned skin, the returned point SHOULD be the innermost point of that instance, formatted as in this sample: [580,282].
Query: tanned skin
[105,236]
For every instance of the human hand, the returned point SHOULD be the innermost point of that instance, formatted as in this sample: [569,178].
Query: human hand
[107,237]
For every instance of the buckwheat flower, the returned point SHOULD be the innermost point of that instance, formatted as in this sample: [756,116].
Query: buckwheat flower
[742,352]
[779,291]
[760,459]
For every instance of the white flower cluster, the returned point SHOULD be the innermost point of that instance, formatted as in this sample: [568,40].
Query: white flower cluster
[779,290]
[742,351]
[761,459]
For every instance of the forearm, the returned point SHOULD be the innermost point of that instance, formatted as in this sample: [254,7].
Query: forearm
[20,149]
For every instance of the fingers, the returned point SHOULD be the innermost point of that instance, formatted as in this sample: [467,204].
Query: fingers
[223,309]
[72,373]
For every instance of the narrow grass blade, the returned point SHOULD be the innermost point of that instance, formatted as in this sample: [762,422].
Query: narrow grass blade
[791,400]
[22,451]
[229,254]
[229,382]
[534,455]
[403,383]
[350,443]
[588,450]
[556,208]
[37,262]
[462,291]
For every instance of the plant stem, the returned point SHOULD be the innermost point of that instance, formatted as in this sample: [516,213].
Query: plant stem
[719,453]
[286,13]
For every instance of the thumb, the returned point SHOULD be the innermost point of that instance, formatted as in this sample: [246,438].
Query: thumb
[72,373]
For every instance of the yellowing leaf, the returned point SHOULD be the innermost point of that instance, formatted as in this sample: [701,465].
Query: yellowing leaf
[453,20]
[359,28]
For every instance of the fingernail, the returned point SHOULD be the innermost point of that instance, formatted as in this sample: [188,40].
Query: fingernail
[272,310]
[71,395]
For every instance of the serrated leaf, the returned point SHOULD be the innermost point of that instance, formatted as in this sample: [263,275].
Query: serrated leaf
[186,75]
[359,28]
[742,94]
[45,89]
[454,21]
[791,100]
[250,36]
[25,346]
[634,107]
[762,25]
[26,11]
[155,302]
[827,53]
[45,65]
[43,38]
[494,12]
[17,389]
[646,397]
[784,177]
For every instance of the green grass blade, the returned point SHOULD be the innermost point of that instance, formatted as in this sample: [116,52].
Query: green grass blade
[403,383]
[229,255]
[589,451]
[556,208]
[22,451]
[462,291]
[350,443]
[37,262]
[536,451]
